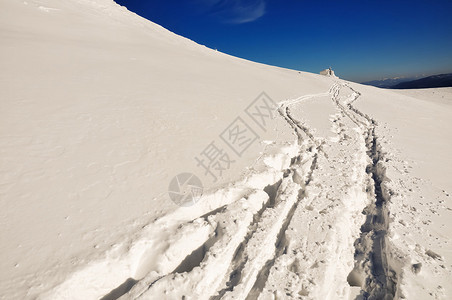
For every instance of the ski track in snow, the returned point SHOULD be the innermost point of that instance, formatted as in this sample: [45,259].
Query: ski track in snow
[313,229]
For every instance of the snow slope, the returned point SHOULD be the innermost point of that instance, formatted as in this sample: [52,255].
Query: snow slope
[344,191]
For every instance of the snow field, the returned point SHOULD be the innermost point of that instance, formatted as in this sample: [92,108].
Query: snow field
[347,193]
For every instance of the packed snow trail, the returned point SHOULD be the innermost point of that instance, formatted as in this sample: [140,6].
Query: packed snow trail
[371,246]
[375,281]
[249,249]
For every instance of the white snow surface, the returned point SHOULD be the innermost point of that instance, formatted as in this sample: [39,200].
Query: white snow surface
[345,194]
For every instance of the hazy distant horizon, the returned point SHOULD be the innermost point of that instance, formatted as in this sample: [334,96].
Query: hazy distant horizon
[409,77]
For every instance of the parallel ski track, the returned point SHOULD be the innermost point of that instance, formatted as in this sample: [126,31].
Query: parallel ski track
[372,247]
[381,280]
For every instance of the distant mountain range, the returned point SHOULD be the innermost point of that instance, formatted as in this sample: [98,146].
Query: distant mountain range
[442,80]
[389,82]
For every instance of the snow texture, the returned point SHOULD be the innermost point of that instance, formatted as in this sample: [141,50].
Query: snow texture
[343,194]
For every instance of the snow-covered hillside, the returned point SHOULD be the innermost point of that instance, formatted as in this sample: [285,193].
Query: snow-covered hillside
[327,189]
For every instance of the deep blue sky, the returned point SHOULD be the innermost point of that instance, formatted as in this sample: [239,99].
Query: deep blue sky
[362,40]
